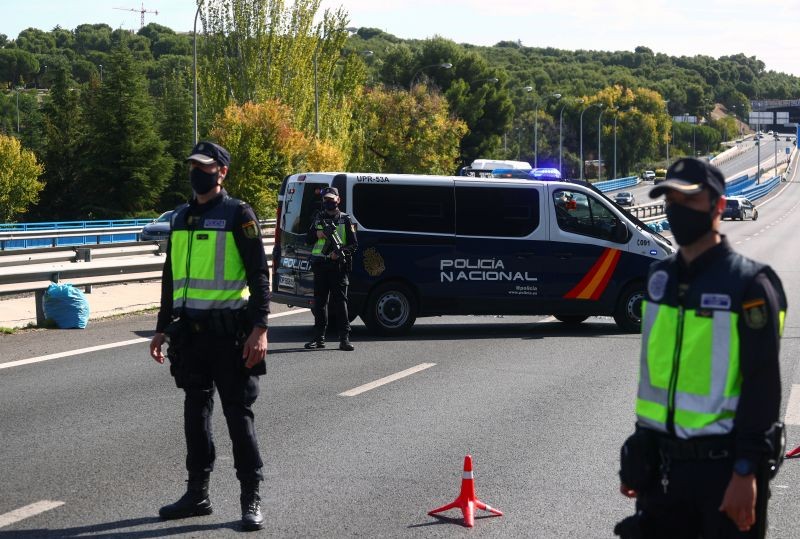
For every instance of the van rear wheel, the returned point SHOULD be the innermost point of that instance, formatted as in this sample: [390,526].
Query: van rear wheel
[391,309]
[628,314]
[570,319]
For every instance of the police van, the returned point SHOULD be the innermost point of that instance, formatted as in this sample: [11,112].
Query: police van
[441,245]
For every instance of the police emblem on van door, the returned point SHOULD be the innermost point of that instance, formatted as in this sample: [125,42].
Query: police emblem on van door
[373,262]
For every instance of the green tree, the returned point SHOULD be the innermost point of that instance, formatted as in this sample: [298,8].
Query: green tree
[402,132]
[19,179]
[176,128]
[64,129]
[124,167]
[265,147]
[17,67]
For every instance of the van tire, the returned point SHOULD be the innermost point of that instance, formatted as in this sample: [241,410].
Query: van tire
[391,309]
[628,314]
[570,319]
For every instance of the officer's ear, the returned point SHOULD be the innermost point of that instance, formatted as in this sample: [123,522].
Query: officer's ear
[223,171]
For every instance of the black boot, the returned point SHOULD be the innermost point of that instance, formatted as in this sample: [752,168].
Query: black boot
[194,503]
[318,342]
[344,344]
[252,519]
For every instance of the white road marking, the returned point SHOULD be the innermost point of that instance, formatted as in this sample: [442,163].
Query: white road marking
[106,346]
[793,407]
[28,511]
[72,353]
[388,379]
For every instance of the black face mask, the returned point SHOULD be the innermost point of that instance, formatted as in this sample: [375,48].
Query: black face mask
[329,205]
[687,225]
[203,182]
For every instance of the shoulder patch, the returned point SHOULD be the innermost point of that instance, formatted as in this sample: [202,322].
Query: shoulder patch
[657,285]
[251,230]
[755,313]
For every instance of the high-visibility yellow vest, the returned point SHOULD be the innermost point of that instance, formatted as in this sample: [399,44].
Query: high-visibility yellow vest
[207,269]
[690,380]
[321,247]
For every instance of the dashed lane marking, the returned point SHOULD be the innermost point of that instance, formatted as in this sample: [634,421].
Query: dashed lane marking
[387,379]
[793,407]
[108,346]
[28,511]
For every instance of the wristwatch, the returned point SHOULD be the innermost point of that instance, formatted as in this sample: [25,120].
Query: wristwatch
[743,467]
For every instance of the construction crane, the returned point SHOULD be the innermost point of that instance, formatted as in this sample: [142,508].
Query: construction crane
[141,11]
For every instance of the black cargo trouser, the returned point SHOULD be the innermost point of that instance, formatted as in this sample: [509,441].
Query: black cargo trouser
[690,507]
[216,362]
[330,284]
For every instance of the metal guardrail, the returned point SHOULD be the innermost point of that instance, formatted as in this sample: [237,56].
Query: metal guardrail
[33,270]
[619,183]
[79,235]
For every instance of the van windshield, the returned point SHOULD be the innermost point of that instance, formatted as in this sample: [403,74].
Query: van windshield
[302,201]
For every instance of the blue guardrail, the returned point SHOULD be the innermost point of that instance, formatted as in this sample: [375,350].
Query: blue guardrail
[70,225]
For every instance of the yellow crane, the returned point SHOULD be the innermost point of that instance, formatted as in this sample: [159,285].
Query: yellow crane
[141,11]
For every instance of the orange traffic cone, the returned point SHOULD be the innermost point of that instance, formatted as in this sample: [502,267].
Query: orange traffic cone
[467,500]
[794,453]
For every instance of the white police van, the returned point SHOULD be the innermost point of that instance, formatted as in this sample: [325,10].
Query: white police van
[437,245]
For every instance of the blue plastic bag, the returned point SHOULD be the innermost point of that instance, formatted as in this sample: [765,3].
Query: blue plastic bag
[66,306]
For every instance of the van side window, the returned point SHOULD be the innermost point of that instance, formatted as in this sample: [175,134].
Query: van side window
[496,211]
[302,201]
[585,215]
[407,208]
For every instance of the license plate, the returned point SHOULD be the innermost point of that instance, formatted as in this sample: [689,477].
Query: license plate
[286,281]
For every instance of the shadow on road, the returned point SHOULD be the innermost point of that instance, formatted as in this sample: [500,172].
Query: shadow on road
[115,529]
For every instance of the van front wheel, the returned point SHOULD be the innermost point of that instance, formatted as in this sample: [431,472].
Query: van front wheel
[628,314]
[391,309]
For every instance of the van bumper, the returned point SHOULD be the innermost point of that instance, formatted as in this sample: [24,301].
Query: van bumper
[292,299]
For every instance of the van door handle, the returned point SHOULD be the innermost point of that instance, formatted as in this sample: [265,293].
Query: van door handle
[563,256]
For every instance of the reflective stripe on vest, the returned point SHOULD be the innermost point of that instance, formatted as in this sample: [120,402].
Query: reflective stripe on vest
[217,277]
[320,245]
[706,392]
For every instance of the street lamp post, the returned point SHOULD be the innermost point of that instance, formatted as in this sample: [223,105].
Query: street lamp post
[443,65]
[776,155]
[599,132]
[666,105]
[587,107]
[18,109]
[561,138]
[194,67]
[536,127]
[101,73]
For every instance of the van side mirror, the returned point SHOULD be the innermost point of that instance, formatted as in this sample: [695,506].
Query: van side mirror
[620,233]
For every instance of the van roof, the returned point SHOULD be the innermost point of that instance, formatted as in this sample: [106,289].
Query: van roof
[491,164]
[373,177]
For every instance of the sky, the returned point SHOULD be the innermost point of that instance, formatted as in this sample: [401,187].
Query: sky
[675,27]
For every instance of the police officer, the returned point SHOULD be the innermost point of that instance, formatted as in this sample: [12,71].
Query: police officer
[220,338]
[709,387]
[330,269]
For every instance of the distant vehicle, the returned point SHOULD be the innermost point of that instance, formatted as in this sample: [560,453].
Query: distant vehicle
[625,198]
[769,133]
[739,208]
[787,139]
[648,175]
[158,229]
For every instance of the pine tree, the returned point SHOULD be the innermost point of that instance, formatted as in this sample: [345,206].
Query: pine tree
[125,167]
[175,108]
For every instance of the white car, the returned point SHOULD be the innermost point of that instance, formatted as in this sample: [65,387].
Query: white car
[649,175]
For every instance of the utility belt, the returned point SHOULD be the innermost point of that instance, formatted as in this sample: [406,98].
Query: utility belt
[711,447]
[219,323]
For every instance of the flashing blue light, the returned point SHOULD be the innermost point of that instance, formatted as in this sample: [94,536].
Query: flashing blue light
[653,252]
[531,174]
[546,174]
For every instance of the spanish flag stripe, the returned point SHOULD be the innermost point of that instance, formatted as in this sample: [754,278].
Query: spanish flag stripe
[607,277]
[597,277]
[576,290]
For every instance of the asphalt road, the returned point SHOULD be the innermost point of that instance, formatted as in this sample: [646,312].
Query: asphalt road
[541,407]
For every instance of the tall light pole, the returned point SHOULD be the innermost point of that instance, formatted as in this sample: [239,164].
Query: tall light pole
[666,105]
[101,73]
[443,65]
[599,132]
[776,154]
[616,113]
[194,66]
[536,126]
[587,107]
[561,137]
[18,88]
[758,159]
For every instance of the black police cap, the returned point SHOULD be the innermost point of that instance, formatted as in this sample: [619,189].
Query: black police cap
[206,153]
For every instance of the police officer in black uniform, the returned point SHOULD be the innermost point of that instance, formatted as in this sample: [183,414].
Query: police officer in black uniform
[707,437]
[330,269]
[217,337]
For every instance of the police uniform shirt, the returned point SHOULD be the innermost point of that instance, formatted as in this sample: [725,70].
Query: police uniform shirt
[759,347]
[247,235]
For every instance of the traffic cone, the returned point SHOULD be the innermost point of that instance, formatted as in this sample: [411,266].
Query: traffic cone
[467,500]
[794,453]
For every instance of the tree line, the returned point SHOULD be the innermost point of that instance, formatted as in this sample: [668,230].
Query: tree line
[96,122]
